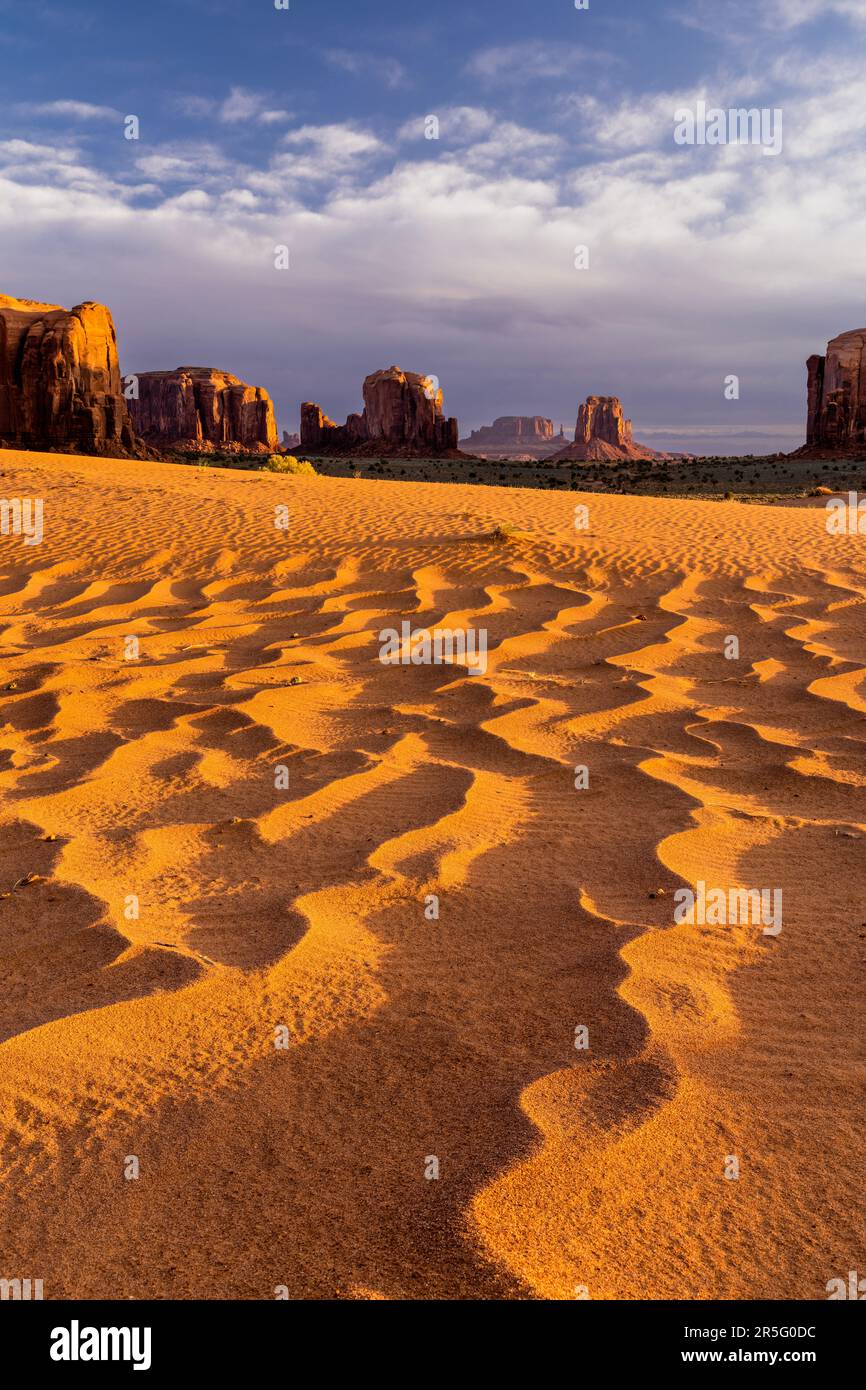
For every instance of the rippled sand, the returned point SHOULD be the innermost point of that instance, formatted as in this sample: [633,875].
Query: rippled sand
[299,913]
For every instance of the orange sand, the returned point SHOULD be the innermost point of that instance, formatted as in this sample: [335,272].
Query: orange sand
[304,1166]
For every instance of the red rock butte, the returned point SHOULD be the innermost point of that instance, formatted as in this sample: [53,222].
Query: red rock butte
[60,384]
[402,416]
[202,408]
[836,388]
[602,433]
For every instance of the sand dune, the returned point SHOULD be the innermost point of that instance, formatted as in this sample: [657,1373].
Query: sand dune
[303,909]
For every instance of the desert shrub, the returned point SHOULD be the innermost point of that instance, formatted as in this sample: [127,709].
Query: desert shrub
[287,463]
[504,531]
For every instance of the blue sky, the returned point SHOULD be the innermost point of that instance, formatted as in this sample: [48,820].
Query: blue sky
[453,256]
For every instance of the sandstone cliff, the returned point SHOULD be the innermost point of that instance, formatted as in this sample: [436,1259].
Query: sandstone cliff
[201,408]
[836,390]
[60,385]
[602,433]
[402,416]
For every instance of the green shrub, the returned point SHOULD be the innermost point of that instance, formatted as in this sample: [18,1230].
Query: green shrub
[287,463]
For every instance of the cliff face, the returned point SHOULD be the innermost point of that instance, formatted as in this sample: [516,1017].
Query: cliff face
[836,390]
[602,433]
[60,384]
[198,407]
[402,415]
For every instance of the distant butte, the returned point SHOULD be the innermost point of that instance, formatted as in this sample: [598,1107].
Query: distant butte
[602,433]
[515,437]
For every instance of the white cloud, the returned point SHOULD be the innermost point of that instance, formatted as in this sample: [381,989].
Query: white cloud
[241,105]
[71,110]
[320,153]
[187,163]
[190,105]
[63,167]
[527,62]
[388,71]
[486,140]
[737,18]
[30,150]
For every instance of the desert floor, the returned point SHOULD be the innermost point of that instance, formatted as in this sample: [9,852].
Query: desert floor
[269,915]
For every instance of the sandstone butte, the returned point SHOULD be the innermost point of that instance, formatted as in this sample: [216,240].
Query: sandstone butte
[836,387]
[60,384]
[515,437]
[402,416]
[602,433]
[204,409]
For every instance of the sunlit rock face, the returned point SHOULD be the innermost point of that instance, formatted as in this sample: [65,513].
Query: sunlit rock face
[602,432]
[202,407]
[836,387]
[60,384]
[402,415]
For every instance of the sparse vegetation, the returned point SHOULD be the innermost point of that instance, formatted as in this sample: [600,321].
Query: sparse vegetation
[758,481]
[215,459]
[504,531]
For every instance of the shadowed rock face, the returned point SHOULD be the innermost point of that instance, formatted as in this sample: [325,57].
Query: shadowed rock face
[402,415]
[199,407]
[602,433]
[837,395]
[60,384]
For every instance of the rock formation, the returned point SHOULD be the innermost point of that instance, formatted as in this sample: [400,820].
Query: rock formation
[836,385]
[602,433]
[515,437]
[199,408]
[60,385]
[290,442]
[402,416]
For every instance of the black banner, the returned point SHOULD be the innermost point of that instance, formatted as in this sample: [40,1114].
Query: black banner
[80,1339]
